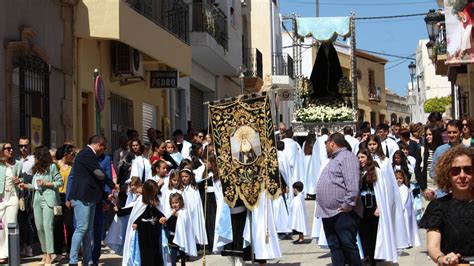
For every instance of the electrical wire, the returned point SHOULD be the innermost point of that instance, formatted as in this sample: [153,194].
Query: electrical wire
[394,66]
[390,17]
[362,4]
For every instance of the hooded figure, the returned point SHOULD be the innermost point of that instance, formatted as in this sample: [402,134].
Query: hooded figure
[326,73]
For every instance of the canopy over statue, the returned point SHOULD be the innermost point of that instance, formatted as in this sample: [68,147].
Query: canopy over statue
[327,86]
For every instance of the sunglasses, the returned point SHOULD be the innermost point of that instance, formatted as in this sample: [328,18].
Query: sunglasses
[7,148]
[456,170]
[465,125]
[23,146]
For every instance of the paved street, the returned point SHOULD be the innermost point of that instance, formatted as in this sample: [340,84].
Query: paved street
[307,254]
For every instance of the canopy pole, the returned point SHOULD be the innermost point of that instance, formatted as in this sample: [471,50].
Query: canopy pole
[355,102]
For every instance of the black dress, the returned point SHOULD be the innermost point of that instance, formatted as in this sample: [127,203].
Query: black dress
[235,248]
[210,210]
[149,236]
[369,223]
[455,221]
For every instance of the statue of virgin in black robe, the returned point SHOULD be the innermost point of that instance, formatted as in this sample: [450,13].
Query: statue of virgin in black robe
[326,73]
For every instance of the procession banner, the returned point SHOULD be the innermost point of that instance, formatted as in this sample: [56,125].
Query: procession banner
[244,140]
[459,17]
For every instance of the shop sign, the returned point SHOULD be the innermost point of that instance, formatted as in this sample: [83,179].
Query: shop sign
[163,79]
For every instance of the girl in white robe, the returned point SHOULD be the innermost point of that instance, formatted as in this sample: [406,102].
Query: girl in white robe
[145,240]
[193,203]
[408,210]
[116,234]
[181,241]
[393,235]
[298,213]
[174,186]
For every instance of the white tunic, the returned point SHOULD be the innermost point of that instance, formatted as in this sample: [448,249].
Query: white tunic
[298,214]
[193,204]
[409,215]
[263,226]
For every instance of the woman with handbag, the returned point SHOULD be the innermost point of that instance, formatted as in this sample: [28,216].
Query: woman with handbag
[46,181]
[9,173]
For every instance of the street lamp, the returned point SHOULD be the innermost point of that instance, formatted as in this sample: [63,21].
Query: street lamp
[429,47]
[412,69]
[431,20]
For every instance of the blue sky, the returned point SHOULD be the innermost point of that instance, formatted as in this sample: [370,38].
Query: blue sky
[392,36]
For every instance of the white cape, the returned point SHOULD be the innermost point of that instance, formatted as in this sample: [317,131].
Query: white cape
[295,159]
[281,215]
[409,215]
[263,223]
[220,239]
[320,160]
[137,210]
[310,171]
[298,214]
[184,238]
[193,204]
[391,234]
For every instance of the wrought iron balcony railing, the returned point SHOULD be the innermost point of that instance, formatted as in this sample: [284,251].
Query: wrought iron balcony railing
[375,94]
[209,18]
[283,65]
[252,59]
[170,15]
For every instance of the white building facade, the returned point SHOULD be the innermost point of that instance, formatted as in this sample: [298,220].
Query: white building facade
[426,84]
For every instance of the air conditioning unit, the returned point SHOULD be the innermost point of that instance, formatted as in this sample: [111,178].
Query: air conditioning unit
[136,63]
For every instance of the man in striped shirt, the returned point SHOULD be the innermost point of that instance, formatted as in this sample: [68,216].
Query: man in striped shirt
[338,202]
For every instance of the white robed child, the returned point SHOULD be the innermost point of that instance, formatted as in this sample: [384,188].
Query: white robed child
[146,242]
[406,197]
[181,240]
[174,186]
[116,234]
[298,213]
[193,203]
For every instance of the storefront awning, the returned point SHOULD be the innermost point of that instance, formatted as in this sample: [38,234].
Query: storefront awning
[324,29]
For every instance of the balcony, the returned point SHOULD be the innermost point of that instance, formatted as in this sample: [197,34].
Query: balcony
[440,49]
[252,59]
[208,18]
[375,95]
[158,30]
[173,18]
[209,38]
[282,70]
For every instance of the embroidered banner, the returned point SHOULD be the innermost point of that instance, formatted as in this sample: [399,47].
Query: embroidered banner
[244,140]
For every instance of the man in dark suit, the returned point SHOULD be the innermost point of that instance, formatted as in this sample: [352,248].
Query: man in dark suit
[85,192]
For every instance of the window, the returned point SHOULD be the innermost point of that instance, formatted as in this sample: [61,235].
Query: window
[371,83]
[121,58]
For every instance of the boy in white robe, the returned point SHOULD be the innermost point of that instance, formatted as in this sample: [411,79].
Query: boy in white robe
[298,213]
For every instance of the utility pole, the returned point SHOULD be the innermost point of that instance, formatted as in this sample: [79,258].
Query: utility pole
[317,8]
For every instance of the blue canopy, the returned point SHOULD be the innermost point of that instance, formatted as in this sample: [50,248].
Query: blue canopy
[324,29]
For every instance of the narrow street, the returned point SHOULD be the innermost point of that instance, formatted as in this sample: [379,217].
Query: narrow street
[306,254]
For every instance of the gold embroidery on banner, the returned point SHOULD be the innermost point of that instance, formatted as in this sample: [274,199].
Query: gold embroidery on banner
[247,160]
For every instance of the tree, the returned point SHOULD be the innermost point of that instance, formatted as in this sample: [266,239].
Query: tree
[437,104]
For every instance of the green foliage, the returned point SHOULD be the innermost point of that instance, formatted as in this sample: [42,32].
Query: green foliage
[436,104]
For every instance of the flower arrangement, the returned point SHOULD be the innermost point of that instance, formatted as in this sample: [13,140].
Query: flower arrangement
[324,113]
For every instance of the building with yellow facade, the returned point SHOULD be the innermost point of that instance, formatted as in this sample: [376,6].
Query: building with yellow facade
[372,99]
[132,45]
